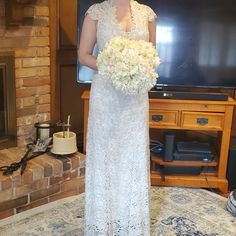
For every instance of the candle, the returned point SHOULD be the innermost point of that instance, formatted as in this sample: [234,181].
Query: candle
[44,131]
[68,124]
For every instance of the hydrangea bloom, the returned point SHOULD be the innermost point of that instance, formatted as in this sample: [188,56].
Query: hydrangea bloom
[129,64]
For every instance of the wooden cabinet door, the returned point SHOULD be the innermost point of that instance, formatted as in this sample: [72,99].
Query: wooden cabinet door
[66,92]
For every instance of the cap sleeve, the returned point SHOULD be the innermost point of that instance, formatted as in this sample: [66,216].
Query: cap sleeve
[151,14]
[94,12]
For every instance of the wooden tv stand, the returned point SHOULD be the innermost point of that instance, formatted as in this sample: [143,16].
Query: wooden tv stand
[188,115]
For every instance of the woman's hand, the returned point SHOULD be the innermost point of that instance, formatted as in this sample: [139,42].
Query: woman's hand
[88,39]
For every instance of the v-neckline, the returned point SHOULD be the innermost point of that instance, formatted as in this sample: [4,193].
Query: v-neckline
[132,26]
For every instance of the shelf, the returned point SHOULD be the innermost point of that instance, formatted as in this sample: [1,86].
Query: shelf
[202,174]
[208,174]
[158,160]
[187,180]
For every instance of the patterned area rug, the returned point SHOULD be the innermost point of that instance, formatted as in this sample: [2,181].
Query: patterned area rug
[175,211]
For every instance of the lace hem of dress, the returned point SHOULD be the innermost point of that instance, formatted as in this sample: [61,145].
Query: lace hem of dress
[116,229]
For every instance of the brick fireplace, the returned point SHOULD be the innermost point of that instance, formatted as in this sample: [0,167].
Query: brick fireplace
[30,43]
[47,177]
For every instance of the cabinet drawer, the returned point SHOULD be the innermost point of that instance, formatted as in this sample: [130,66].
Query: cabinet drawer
[202,120]
[162,118]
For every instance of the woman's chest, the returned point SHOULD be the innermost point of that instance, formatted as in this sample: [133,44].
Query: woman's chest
[109,27]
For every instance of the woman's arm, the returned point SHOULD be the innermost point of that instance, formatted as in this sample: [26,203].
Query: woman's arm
[88,39]
[152,31]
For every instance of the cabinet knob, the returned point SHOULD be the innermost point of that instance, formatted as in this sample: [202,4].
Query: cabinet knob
[202,121]
[157,118]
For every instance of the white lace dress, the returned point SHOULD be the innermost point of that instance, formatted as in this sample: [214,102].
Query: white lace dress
[117,161]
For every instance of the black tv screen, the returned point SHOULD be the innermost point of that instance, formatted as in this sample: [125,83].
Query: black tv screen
[196,41]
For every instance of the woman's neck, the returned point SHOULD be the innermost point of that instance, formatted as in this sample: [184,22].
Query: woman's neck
[121,2]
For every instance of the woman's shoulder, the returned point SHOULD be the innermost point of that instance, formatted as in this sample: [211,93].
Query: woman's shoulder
[100,6]
[145,10]
[97,10]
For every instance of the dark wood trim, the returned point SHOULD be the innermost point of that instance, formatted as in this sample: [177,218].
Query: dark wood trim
[55,85]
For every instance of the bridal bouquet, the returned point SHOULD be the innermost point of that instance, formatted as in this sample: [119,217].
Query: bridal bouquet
[129,64]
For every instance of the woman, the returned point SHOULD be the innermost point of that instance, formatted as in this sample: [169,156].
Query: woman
[117,162]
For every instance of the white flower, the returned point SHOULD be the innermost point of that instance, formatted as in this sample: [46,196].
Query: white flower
[129,64]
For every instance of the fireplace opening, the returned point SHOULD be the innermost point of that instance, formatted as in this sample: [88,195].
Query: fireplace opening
[7,100]
[2,104]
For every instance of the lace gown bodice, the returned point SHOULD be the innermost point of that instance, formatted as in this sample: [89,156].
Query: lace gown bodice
[108,26]
[117,152]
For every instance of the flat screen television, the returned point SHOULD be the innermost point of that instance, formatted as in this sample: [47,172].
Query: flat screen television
[196,41]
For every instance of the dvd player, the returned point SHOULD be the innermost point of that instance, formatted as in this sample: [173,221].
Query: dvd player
[185,156]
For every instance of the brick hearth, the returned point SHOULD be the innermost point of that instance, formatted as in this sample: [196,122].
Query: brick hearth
[46,178]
